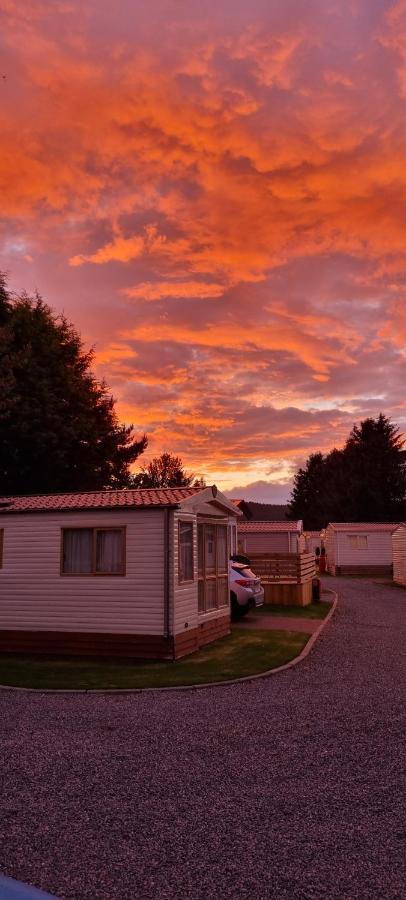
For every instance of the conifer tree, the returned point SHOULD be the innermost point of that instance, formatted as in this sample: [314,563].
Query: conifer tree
[363,482]
[58,427]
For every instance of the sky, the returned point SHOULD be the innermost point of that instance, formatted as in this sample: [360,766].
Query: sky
[213,191]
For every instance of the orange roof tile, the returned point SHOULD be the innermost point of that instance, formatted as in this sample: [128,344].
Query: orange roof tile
[96,500]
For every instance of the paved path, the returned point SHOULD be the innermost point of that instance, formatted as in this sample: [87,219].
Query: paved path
[290,787]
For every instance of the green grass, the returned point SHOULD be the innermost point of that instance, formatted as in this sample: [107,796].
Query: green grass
[312,611]
[242,653]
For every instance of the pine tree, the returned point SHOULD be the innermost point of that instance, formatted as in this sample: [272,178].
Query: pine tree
[308,495]
[376,470]
[364,482]
[58,427]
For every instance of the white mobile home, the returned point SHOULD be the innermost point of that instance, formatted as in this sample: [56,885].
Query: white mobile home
[399,554]
[270,537]
[359,548]
[137,574]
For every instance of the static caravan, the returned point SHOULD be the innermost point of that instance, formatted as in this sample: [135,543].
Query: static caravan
[270,537]
[137,574]
[359,548]
[399,554]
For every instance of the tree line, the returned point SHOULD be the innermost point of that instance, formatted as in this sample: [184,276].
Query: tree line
[365,481]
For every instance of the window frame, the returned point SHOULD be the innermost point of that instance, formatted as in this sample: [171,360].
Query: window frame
[95,529]
[217,575]
[182,580]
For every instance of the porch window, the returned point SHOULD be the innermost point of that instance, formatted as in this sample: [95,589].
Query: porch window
[213,566]
[186,551]
[93,551]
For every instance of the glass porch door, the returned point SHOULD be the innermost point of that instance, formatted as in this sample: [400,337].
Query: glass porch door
[212,566]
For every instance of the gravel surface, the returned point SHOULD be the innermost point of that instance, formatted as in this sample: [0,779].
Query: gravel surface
[289,787]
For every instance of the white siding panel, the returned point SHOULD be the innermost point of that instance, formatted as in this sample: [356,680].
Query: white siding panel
[339,551]
[377,553]
[34,595]
[274,542]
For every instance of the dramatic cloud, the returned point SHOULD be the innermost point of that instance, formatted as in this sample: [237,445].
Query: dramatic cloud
[215,194]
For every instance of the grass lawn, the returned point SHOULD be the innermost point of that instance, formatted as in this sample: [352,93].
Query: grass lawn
[312,611]
[242,653]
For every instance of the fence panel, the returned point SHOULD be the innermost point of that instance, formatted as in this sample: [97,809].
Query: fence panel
[290,568]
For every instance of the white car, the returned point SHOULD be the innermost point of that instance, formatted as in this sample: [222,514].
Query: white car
[246,591]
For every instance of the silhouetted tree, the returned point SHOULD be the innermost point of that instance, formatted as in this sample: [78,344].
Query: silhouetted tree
[308,494]
[58,427]
[5,304]
[364,482]
[376,471]
[166,471]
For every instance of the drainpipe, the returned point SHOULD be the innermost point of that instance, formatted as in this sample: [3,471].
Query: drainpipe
[166,574]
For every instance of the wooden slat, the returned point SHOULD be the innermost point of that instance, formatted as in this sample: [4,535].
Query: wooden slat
[294,568]
[399,554]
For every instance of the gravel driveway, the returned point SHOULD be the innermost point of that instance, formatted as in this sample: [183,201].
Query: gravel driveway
[290,787]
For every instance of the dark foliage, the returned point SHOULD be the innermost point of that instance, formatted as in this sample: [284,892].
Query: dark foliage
[166,471]
[363,482]
[58,427]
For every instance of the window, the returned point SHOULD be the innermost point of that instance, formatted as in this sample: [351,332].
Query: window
[213,566]
[1,546]
[186,551]
[93,551]
[358,541]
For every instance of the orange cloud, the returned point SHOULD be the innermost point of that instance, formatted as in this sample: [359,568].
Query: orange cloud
[121,249]
[310,350]
[148,290]
[257,161]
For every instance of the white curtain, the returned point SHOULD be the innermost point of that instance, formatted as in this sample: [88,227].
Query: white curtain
[109,552]
[210,550]
[186,551]
[77,551]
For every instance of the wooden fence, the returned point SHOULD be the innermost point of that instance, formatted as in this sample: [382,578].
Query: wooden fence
[283,568]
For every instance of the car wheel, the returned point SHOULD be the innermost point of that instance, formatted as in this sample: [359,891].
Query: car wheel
[237,611]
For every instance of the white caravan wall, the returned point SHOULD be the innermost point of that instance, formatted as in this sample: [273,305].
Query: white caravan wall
[35,596]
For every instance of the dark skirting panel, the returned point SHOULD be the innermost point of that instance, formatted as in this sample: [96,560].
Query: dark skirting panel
[112,646]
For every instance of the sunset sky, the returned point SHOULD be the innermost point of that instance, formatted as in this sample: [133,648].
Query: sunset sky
[214,192]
